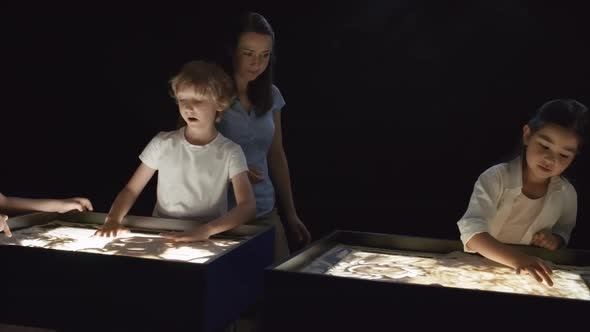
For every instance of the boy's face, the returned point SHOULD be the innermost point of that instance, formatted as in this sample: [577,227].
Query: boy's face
[550,150]
[253,55]
[197,110]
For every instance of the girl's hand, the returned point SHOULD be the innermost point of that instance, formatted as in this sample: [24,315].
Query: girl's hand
[534,266]
[4,225]
[546,239]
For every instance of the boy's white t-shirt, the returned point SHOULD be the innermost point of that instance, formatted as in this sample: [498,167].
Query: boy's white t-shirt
[192,179]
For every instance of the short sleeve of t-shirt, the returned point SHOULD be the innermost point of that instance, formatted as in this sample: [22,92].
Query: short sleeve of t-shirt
[278,102]
[152,152]
[237,161]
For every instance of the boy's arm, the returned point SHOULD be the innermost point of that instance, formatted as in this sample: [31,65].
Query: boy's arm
[125,200]
[244,211]
[487,246]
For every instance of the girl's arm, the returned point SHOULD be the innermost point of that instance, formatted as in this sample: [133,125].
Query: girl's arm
[474,228]
[244,211]
[483,206]
[490,248]
[125,200]
[566,223]
[559,235]
[279,172]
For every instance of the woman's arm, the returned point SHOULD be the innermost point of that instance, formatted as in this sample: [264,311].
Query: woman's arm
[279,172]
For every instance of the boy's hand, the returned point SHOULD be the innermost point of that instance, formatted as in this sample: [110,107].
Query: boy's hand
[534,266]
[4,225]
[77,203]
[111,229]
[201,233]
[255,174]
[546,239]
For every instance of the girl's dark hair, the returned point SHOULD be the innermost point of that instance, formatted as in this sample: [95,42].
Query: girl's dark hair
[260,89]
[567,113]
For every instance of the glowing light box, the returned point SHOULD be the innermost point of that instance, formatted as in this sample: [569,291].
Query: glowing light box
[455,269]
[79,237]
[58,276]
[358,281]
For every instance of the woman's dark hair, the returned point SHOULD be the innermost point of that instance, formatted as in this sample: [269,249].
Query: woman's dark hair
[260,89]
[566,113]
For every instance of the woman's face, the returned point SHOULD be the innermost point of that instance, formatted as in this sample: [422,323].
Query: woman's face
[252,55]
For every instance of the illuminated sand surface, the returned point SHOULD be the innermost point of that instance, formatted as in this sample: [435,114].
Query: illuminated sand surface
[456,269]
[78,237]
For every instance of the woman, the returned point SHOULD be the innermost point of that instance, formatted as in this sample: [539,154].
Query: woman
[254,122]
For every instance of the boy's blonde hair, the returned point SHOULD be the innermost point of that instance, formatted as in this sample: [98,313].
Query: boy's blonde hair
[207,79]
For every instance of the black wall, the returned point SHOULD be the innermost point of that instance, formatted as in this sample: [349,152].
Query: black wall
[393,107]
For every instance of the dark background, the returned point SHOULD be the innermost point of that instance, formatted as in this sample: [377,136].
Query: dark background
[393,107]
